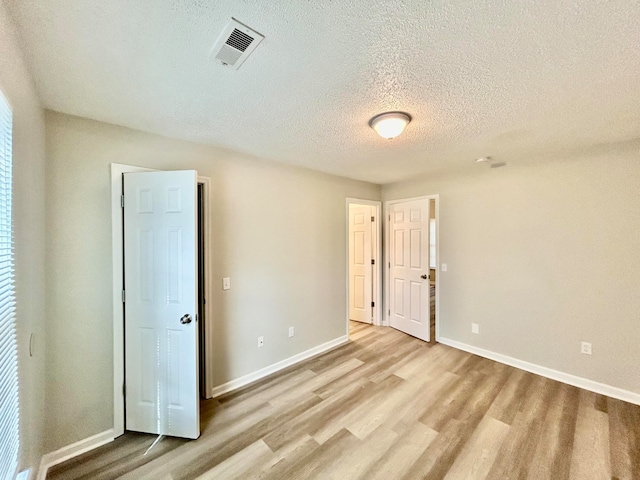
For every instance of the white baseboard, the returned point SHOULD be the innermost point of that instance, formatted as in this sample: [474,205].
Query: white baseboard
[65,453]
[580,382]
[287,362]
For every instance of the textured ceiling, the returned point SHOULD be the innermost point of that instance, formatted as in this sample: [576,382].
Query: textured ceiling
[516,80]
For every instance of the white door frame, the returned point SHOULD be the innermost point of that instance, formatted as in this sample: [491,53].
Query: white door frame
[376,255]
[387,219]
[117,257]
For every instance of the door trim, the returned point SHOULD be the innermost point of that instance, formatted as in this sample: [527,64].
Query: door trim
[208,282]
[117,259]
[387,238]
[376,255]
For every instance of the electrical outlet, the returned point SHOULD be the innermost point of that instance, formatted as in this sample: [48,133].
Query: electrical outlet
[292,331]
[475,328]
[585,348]
[443,267]
[260,342]
[226,283]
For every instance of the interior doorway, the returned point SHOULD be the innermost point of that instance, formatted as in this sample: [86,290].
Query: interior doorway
[201,270]
[412,257]
[204,289]
[433,268]
[364,255]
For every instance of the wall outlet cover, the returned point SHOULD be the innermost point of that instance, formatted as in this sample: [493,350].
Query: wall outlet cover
[475,328]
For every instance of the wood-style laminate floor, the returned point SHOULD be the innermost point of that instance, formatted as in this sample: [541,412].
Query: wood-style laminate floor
[388,406]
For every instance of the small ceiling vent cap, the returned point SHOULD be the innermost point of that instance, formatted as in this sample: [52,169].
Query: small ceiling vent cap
[235,44]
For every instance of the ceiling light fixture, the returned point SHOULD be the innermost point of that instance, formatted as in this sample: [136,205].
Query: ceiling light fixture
[483,159]
[390,124]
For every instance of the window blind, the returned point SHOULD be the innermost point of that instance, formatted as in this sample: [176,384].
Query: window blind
[9,413]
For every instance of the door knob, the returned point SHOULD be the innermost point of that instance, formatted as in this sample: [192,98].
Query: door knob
[186,318]
[424,276]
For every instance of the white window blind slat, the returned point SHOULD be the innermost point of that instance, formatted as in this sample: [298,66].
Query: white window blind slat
[9,401]
[6,343]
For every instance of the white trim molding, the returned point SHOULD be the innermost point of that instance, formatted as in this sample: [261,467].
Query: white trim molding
[569,379]
[207,206]
[65,453]
[273,368]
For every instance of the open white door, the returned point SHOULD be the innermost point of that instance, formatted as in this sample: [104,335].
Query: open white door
[161,334]
[360,268]
[409,267]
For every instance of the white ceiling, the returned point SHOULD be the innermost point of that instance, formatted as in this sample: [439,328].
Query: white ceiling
[517,80]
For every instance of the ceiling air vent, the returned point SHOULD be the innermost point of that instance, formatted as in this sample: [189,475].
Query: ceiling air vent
[235,44]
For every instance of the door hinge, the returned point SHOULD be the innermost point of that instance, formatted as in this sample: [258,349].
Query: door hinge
[389,264]
[122,201]
[389,217]
[124,390]
[389,312]
[373,304]
[373,219]
[373,261]
[124,296]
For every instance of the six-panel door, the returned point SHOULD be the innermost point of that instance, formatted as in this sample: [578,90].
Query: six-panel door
[360,268]
[409,267]
[161,334]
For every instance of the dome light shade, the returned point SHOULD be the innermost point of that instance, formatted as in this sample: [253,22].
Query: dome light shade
[390,124]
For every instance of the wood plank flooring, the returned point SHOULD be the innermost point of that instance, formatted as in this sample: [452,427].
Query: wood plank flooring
[388,406]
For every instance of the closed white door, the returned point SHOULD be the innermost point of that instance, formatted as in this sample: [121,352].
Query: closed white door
[360,268]
[161,334]
[409,267]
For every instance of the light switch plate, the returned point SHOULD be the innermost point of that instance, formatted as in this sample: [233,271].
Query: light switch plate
[226,283]
[443,267]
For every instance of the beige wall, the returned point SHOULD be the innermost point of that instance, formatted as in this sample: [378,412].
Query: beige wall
[28,216]
[544,257]
[279,233]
